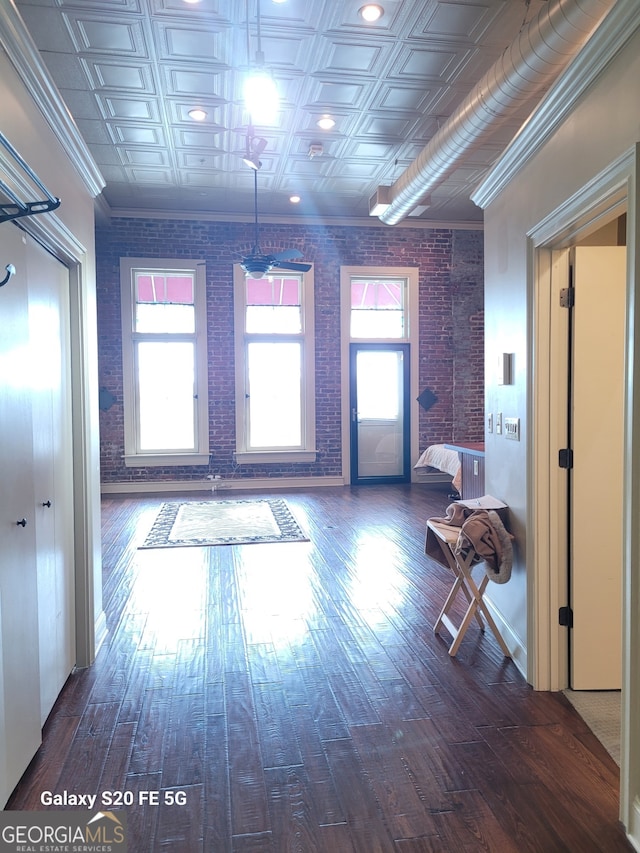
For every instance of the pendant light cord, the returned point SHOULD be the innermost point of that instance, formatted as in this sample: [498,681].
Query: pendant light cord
[256,248]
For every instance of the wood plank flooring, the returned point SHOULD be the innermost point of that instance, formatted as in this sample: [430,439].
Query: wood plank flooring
[295,698]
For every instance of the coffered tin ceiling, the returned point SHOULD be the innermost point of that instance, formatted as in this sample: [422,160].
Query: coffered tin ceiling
[131,70]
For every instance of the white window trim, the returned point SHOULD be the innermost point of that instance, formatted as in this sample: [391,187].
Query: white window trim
[132,457]
[307,453]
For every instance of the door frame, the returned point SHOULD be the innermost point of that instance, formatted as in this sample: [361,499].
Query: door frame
[371,346]
[411,274]
[612,192]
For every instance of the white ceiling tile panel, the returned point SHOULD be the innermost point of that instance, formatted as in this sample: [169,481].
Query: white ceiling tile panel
[119,75]
[130,71]
[136,109]
[136,135]
[94,35]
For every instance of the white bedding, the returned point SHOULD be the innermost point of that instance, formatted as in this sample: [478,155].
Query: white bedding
[440,457]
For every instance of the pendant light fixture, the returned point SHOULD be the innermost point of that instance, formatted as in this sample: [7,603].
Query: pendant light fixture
[261,97]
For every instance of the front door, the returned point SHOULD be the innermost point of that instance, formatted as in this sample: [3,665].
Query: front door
[379,401]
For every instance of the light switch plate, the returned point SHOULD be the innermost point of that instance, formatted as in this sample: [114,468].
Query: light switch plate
[512,428]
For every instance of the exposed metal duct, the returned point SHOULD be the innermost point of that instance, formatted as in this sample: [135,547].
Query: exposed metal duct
[536,57]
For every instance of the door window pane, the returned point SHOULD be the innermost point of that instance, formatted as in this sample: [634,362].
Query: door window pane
[380,412]
[379,383]
[166,377]
[275,401]
[377,308]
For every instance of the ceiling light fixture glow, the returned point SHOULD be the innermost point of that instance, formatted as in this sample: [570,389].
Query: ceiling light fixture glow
[261,97]
[326,122]
[294,199]
[197,114]
[371,12]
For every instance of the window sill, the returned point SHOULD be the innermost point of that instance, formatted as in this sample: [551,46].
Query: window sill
[159,461]
[245,457]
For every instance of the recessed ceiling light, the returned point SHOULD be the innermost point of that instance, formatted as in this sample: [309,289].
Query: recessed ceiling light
[326,122]
[294,199]
[197,114]
[371,12]
[192,1]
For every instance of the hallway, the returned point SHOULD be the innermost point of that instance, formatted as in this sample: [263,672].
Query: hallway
[295,696]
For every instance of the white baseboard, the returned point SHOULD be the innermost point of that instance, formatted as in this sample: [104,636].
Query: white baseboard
[218,486]
[633,831]
[514,644]
[101,631]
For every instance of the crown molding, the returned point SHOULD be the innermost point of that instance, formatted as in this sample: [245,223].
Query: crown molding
[277,219]
[26,59]
[610,37]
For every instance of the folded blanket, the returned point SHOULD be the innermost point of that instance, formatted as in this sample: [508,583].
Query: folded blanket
[482,530]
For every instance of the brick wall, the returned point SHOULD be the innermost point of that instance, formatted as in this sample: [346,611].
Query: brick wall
[451,328]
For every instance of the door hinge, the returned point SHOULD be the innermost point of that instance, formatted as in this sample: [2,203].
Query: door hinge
[565,457]
[567,297]
[565,617]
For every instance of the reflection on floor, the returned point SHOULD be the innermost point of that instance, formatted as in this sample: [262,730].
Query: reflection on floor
[600,709]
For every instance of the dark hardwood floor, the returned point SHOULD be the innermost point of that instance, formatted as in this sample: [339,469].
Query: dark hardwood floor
[295,697]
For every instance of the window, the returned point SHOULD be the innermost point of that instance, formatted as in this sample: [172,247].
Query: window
[165,362]
[378,308]
[275,389]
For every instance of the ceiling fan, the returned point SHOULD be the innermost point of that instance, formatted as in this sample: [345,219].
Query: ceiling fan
[258,264]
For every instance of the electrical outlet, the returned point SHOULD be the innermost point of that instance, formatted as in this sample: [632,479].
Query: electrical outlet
[499,423]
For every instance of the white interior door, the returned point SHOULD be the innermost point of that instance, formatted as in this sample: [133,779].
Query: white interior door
[52,459]
[19,654]
[597,474]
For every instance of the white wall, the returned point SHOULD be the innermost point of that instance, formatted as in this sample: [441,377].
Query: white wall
[69,233]
[531,188]
[601,127]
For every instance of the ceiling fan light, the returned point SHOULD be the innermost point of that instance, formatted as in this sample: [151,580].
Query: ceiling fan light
[371,12]
[261,97]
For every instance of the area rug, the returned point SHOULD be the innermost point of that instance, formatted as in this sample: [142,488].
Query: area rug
[217,522]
